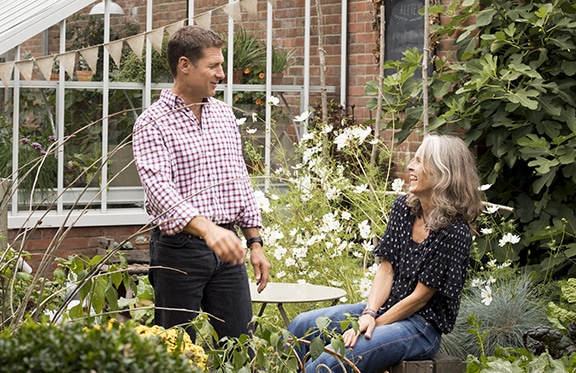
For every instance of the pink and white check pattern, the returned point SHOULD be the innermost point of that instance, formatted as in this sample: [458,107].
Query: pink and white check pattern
[188,169]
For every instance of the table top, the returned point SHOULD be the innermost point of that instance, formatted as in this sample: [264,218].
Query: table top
[277,292]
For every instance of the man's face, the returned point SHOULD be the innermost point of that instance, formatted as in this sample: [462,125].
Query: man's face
[207,73]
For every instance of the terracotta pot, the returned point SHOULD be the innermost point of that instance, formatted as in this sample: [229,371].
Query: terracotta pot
[84,75]
[277,78]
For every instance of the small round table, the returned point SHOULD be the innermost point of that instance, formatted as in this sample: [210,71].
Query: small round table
[280,293]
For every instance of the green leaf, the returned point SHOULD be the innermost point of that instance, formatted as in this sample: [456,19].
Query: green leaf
[524,98]
[316,347]
[544,180]
[485,17]
[543,165]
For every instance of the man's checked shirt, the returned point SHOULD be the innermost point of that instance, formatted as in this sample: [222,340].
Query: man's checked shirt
[190,169]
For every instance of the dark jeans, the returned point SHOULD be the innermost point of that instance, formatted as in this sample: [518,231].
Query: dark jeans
[202,281]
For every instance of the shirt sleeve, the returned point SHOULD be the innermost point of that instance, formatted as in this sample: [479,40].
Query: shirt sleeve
[447,265]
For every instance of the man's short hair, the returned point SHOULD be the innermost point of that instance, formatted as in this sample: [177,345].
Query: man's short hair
[190,42]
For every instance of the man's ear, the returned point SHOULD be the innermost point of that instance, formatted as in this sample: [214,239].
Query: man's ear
[184,64]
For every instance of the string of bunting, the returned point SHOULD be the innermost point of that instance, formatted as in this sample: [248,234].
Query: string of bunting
[136,43]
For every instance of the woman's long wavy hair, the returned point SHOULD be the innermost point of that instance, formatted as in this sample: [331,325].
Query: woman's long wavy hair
[451,166]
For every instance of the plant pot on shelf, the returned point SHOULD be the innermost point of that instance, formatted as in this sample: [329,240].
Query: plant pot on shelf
[277,78]
[84,75]
[237,76]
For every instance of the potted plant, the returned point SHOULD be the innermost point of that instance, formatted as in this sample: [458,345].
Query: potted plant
[281,60]
[248,54]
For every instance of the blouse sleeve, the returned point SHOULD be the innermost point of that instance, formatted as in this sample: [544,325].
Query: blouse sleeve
[447,264]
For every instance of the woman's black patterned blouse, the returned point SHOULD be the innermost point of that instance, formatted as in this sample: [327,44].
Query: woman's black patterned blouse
[439,262]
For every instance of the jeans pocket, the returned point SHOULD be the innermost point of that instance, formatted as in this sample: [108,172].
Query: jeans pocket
[430,337]
[178,241]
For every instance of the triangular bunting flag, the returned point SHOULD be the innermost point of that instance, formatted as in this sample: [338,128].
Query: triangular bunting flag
[26,68]
[136,43]
[115,50]
[91,57]
[251,6]
[234,11]
[204,20]
[173,27]
[6,72]
[68,60]
[155,38]
[45,64]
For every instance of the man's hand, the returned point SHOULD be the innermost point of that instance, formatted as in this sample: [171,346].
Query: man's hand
[261,266]
[222,241]
[366,324]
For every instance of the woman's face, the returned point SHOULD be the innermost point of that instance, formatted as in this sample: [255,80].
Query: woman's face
[420,181]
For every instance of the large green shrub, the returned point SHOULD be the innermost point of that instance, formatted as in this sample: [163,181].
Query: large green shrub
[511,90]
[76,347]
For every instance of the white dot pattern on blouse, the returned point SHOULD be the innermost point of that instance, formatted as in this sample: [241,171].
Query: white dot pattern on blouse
[439,262]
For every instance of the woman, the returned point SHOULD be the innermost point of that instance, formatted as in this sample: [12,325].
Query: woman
[415,295]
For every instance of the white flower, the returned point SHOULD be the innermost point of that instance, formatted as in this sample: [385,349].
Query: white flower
[476,283]
[273,100]
[508,238]
[289,262]
[486,295]
[280,274]
[374,141]
[491,280]
[301,281]
[240,121]
[251,130]
[397,185]
[364,227]
[342,140]
[346,215]
[302,117]
[361,133]
[280,252]
[486,230]
[360,188]
[262,202]
[484,187]
[365,286]
[367,246]
[307,136]
[491,209]
[327,128]
[254,117]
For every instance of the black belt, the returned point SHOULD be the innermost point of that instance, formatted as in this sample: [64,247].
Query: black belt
[229,226]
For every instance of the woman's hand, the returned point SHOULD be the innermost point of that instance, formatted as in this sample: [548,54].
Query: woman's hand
[366,324]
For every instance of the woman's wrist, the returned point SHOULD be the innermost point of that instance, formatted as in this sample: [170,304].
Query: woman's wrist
[369,311]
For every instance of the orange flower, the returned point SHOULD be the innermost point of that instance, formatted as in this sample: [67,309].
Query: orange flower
[261,75]
[259,102]
[247,71]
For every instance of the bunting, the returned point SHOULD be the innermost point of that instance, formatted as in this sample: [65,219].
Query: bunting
[115,50]
[204,21]
[26,68]
[67,60]
[90,55]
[45,65]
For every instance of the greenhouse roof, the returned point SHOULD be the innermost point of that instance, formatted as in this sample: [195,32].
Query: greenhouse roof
[21,20]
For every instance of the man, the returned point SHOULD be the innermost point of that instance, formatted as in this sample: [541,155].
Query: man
[188,153]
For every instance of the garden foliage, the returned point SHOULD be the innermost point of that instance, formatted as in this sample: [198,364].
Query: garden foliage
[510,89]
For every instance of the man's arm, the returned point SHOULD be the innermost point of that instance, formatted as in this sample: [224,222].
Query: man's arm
[258,259]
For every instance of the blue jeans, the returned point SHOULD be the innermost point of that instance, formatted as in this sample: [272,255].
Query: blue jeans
[411,339]
[206,283]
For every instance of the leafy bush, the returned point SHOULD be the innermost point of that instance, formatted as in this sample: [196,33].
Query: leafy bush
[76,347]
[510,90]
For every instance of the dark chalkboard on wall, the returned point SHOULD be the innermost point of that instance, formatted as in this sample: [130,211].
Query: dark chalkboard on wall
[404,29]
